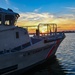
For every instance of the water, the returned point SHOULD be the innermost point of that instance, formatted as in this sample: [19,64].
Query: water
[66,54]
[62,64]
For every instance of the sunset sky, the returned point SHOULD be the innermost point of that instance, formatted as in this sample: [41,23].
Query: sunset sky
[33,12]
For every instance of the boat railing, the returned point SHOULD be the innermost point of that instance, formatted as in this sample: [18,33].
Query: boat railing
[43,29]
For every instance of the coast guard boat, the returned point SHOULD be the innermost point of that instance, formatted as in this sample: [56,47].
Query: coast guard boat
[18,50]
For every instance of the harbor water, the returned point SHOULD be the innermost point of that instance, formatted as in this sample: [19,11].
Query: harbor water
[62,64]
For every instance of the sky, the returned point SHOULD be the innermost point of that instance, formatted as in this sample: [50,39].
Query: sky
[33,12]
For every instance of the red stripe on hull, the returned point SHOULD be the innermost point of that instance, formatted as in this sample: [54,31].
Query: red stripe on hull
[50,52]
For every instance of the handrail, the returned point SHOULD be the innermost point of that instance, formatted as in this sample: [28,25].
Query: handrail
[51,28]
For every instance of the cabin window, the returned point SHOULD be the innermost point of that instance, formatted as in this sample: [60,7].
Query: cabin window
[9,19]
[0,19]
[17,34]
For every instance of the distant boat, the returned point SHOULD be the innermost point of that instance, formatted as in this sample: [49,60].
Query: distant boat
[19,51]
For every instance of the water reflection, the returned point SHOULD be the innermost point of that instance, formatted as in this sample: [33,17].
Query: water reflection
[50,67]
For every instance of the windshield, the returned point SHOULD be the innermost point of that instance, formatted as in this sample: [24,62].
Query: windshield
[9,19]
[0,18]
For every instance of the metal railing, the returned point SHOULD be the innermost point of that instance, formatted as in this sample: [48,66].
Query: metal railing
[48,28]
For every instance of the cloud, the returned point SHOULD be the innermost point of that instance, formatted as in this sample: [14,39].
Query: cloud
[67,16]
[29,18]
[16,9]
[32,16]
[7,1]
[37,10]
[71,9]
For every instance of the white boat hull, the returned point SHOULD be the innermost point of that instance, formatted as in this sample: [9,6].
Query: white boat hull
[13,63]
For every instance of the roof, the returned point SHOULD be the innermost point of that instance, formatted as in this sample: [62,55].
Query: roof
[8,11]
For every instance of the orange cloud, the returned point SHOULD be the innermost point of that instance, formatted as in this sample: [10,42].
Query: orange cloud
[65,22]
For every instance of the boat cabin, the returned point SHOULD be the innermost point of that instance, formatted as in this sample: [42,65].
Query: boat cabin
[8,17]
[11,36]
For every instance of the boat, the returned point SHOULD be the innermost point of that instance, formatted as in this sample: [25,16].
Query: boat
[18,50]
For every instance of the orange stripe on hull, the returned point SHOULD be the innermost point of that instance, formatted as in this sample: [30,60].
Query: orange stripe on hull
[50,52]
